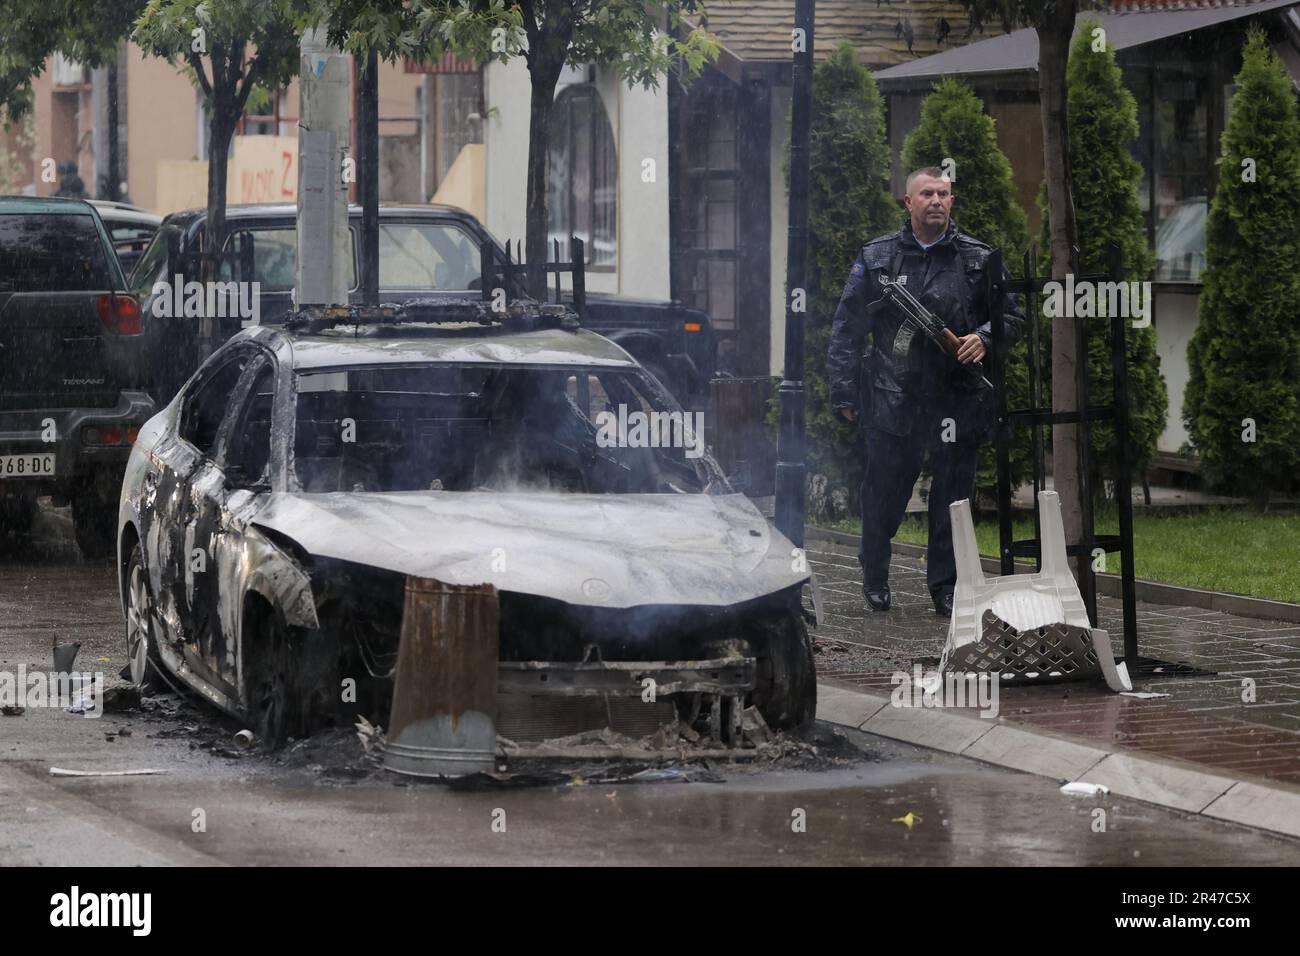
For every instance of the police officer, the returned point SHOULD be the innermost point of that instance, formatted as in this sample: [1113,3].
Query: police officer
[912,398]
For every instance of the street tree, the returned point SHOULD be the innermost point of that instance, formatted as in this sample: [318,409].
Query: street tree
[956,134]
[231,49]
[1053,22]
[640,40]
[848,204]
[1103,123]
[30,33]
[1242,405]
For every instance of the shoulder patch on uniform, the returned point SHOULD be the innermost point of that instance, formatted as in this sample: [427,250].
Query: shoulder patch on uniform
[857,269]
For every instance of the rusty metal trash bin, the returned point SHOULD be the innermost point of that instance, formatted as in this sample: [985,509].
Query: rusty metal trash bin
[444,693]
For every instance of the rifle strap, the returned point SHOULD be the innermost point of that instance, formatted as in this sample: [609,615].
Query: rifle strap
[896,265]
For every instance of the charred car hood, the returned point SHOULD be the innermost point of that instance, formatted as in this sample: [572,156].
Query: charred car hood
[612,551]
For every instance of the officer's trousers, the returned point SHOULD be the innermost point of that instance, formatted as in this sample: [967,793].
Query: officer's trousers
[892,467]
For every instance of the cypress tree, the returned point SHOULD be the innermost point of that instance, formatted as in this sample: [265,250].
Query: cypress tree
[1102,123]
[1244,358]
[955,127]
[848,204]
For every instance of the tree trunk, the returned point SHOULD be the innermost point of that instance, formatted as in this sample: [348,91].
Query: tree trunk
[221,129]
[1053,55]
[539,147]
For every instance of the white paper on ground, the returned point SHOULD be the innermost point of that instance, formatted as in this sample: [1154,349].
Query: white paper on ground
[1080,789]
[1141,694]
[60,772]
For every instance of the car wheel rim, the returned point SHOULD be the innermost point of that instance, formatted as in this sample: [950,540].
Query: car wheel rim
[137,626]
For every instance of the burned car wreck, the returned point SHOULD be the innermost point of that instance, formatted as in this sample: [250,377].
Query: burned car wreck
[275,512]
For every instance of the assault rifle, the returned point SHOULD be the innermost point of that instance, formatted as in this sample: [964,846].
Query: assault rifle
[924,321]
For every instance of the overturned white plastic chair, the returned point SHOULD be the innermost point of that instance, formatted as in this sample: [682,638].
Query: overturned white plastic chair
[1027,628]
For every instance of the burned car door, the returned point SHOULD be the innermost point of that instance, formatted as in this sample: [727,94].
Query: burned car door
[186,485]
[240,462]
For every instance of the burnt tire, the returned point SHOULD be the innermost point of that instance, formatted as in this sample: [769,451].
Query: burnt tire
[292,677]
[17,515]
[786,694]
[144,665]
[94,525]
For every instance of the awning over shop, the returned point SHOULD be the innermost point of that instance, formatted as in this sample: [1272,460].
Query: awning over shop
[1018,51]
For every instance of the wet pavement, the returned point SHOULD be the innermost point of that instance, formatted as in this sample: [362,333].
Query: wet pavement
[215,805]
[1243,716]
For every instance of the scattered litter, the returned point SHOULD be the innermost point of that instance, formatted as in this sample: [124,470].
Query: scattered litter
[244,739]
[82,704]
[60,772]
[754,727]
[103,660]
[909,819]
[1142,694]
[369,734]
[1080,789]
[64,655]
[12,710]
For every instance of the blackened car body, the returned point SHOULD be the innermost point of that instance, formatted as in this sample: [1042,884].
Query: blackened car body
[272,512]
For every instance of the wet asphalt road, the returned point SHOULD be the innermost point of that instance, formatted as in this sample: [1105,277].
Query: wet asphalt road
[323,804]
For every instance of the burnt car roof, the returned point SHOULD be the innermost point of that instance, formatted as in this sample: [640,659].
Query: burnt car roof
[342,348]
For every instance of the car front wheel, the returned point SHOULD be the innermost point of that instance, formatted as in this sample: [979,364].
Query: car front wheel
[786,694]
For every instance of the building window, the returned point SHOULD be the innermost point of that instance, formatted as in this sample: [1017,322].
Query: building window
[582,196]
[1174,101]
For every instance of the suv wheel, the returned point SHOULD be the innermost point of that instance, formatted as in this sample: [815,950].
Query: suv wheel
[94,524]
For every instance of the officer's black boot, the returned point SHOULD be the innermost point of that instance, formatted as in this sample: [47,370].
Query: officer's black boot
[878,597]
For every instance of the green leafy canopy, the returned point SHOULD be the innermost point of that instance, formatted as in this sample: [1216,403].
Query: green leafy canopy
[1244,358]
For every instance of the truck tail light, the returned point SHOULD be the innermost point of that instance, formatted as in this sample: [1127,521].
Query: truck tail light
[120,314]
[109,435]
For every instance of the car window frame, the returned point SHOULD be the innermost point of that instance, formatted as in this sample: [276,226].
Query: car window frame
[476,242]
[200,381]
[238,407]
[265,224]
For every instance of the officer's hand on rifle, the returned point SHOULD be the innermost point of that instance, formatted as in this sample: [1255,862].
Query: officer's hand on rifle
[971,349]
[848,412]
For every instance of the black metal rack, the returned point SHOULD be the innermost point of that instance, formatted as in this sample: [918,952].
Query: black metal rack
[498,271]
[1040,415]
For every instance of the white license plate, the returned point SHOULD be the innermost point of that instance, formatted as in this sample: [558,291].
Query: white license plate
[27,466]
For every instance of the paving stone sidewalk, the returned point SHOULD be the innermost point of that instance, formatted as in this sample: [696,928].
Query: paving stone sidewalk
[1204,719]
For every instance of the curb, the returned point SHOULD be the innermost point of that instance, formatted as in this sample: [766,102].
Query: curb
[1153,592]
[1172,784]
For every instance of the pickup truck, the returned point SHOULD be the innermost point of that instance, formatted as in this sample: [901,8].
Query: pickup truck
[425,251]
[71,392]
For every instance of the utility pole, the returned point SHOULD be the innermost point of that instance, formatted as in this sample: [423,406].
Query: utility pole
[368,184]
[791,450]
[324,170]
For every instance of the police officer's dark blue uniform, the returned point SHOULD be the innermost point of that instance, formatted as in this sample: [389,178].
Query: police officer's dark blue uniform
[913,399]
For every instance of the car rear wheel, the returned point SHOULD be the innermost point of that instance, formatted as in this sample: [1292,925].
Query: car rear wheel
[142,658]
[786,694]
[17,514]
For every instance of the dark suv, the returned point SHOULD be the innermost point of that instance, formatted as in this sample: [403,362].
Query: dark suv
[429,251]
[71,395]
